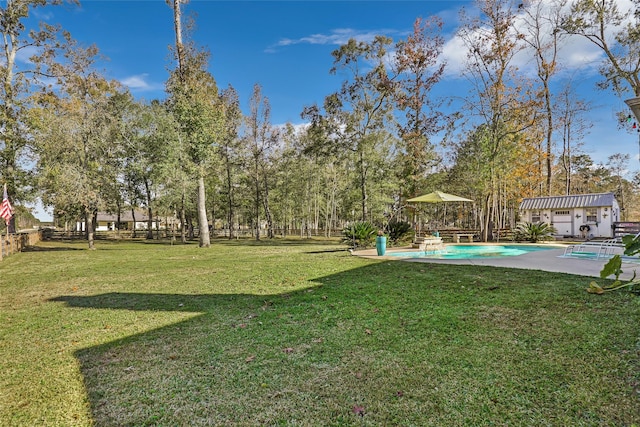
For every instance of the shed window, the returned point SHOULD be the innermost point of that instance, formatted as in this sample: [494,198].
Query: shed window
[592,214]
[561,213]
[535,216]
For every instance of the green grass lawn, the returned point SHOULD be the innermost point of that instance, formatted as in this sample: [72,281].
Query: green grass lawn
[301,333]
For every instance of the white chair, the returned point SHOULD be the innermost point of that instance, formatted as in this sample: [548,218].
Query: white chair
[602,248]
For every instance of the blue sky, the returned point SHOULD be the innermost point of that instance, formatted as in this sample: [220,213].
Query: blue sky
[283,45]
[286,46]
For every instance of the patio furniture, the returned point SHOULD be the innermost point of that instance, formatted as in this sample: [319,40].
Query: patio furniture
[457,236]
[604,248]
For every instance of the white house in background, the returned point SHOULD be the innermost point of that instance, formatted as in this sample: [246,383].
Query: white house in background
[584,215]
[108,222]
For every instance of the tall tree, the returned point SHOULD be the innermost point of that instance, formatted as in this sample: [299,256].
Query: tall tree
[419,67]
[73,127]
[573,127]
[261,137]
[229,151]
[18,78]
[146,132]
[363,106]
[176,170]
[617,33]
[541,32]
[194,100]
[618,164]
[588,177]
[500,98]
[321,157]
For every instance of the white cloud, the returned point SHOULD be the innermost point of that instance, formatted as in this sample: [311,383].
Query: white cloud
[41,15]
[576,53]
[24,55]
[140,82]
[337,37]
[298,128]
[454,53]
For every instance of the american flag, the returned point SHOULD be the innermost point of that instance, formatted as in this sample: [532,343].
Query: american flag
[6,211]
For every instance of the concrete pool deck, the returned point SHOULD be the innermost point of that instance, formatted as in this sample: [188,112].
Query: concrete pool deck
[546,260]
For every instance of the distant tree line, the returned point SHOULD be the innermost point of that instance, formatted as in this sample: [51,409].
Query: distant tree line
[82,143]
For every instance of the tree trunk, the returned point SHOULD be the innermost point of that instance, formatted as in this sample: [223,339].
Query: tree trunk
[133,218]
[267,210]
[177,23]
[257,204]
[327,215]
[149,223]
[149,211]
[549,136]
[363,186]
[203,224]
[230,213]
[190,232]
[118,220]
[90,231]
[568,160]
[486,219]
[183,220]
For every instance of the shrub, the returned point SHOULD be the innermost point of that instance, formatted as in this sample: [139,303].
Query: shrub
[359,234]
[398,230]
[534,231]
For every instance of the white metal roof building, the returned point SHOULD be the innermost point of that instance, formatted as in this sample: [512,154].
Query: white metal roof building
[585,215]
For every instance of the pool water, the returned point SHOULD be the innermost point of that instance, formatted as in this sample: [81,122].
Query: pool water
[473,251]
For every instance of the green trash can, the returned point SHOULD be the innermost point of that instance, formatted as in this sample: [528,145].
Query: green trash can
[381,245]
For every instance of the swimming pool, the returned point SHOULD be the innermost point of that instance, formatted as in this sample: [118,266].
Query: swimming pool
[473,251]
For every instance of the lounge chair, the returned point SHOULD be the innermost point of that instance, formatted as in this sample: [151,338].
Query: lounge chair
[601,249]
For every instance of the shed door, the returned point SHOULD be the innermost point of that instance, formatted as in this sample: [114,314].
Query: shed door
[563,223]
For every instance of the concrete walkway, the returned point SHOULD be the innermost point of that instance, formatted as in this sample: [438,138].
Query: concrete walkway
[548,260]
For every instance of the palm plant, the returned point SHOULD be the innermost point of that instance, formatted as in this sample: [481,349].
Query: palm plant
[398,230]
[534,231]
[359,234]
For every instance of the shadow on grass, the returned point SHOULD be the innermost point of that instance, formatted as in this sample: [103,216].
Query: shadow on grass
[224,365]
[406,342]
[151,302]
[51,248]
[328,251]
[130,381]
[101,242]
[278,241]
